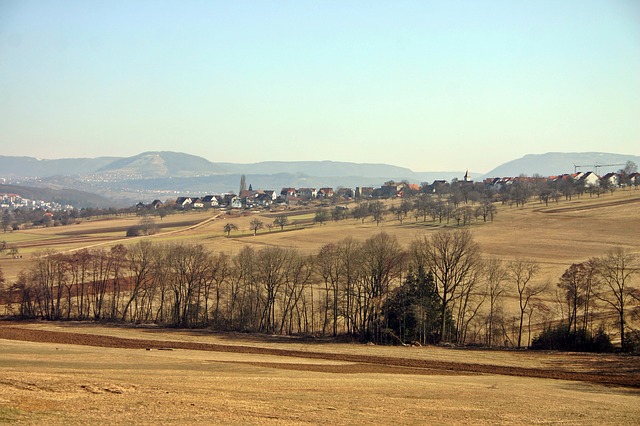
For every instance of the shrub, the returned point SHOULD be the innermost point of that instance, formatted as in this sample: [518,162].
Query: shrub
[135,231]
[562,338]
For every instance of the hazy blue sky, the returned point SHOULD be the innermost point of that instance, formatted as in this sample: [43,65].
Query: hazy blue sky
[429,85]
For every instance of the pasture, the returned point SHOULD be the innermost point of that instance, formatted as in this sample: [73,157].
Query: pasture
[556,235]
[79,373]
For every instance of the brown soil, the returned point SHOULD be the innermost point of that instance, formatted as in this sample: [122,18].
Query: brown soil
[621,373]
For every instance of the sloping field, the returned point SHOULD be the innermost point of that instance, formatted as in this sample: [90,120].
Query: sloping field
[555,235]
[84,373]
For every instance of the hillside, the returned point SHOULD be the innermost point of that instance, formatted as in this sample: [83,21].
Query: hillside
[165,164]
[78,199]
[22,167]
[161,164]
[151,175]
[556,163]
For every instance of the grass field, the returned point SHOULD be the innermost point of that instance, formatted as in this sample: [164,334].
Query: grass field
[125,375]
[554,235]
[73,379]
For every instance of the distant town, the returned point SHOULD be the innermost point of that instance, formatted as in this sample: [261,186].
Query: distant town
[547,187]
[15,201]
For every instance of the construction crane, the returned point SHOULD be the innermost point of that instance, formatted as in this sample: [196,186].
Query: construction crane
[594,166]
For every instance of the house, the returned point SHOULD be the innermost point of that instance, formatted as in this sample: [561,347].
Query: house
[610,180]
[306,193]
[634,179]
[346,193]
[156,204]
[364,192]
[197,203]
[210,201]
[228,198]
[286,193]
[236,202]
[183,201]
[388,190]
[325,193]
[438,185]
[263,199]
[589,179]
[247,193]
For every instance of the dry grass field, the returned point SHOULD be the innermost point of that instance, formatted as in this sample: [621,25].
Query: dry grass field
[555,235]
[89,374]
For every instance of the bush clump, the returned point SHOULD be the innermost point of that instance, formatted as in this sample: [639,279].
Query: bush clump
[562,338]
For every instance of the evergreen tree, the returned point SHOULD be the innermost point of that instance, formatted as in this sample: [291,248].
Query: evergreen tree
[413,310]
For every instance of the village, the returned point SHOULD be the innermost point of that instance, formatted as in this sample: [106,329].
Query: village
[559,185]
[15,201]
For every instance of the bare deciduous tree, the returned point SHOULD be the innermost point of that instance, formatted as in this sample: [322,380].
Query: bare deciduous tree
[228,227]
[255,225]
[452,257]
[281,221]
[522,272]
[496,275]
[614,273]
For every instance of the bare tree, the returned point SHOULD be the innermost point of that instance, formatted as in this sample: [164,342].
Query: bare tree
[522,272]
[329,266]
[321,216]
[139,261]
[281,221]
[614,273]
[576,284]
[361,211]
[377,210]
[270,274]
[255,225]
[228,227]
[382,261]
[496,275]
[452,257]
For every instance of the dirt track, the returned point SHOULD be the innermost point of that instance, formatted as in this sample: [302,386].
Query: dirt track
[612,375]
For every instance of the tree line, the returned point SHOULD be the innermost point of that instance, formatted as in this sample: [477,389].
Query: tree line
[438,288]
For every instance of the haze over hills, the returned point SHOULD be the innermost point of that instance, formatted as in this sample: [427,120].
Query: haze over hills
[165,164]
[556,163]
[164,174]
[78,199]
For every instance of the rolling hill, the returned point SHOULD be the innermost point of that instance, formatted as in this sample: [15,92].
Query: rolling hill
[556,163]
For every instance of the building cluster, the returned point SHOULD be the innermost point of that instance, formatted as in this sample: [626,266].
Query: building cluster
[15,201]
[582,179]
[296,196]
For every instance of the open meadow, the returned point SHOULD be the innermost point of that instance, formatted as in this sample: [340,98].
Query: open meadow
[75,373]
[556,235]
[84,373]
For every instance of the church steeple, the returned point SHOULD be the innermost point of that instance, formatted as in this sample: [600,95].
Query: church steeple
[467,176]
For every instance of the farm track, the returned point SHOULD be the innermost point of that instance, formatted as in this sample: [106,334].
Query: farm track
[364,363]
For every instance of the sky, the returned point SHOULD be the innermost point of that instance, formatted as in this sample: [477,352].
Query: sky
[428,85]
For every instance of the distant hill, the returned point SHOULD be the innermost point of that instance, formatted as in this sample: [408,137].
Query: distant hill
[161,164]
[78,199]
[21,167]
[555,163]
[165,164]
[319,168]
[121,181]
